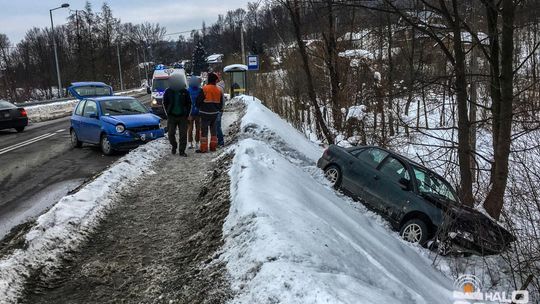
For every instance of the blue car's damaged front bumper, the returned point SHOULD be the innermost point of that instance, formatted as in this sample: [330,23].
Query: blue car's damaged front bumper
[130,139]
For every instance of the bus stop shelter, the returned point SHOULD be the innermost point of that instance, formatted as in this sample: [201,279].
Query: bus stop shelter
[237,78]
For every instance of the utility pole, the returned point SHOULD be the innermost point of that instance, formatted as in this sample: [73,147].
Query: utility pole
[138,65]
[145,68]
[242,41]
[65,5]
[119,66]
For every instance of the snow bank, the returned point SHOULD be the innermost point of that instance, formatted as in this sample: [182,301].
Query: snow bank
[51,110]
[260,122]
[290,238]
[37,113]
[132,91]
[65,226]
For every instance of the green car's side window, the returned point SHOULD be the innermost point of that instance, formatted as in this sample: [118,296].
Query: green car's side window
[395,169]
[372,156]
[429,183]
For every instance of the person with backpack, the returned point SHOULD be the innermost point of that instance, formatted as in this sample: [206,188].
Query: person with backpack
[194,121]
[177,105]
[210,104]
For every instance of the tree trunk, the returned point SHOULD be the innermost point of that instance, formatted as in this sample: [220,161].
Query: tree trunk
[464,148]
[390,84]
[473,105]
[332,66]
[495,198]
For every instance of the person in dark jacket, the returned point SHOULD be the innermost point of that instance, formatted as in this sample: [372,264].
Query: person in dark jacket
[210,104]
[177,104]
[194,121]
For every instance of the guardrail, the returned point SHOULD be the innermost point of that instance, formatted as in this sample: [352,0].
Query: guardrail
[49,101]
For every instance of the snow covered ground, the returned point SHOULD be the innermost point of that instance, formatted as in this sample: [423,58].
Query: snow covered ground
[290,238]
[50,111]
[66,224]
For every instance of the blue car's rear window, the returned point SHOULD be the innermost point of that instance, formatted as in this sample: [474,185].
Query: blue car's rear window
[92,91]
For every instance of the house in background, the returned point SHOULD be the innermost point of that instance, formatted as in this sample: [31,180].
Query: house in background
[215,62]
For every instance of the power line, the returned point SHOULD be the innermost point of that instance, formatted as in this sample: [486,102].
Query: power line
[183,32]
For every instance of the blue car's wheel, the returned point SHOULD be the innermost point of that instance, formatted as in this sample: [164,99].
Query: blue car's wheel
[105,145]
[75,142]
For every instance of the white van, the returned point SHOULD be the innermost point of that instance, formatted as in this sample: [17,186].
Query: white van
[160,82]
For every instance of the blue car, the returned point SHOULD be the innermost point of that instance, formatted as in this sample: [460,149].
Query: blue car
[115,123]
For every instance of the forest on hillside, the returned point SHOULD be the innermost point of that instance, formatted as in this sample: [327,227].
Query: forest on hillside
[92,43]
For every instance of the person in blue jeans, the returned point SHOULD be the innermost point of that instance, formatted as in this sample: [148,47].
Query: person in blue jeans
[219,133]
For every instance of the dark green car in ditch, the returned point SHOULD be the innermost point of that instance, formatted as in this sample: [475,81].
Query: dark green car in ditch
[418,202]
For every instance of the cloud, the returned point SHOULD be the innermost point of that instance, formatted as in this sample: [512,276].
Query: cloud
[16,17]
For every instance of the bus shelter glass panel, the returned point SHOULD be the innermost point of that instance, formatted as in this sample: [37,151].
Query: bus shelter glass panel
[238,83]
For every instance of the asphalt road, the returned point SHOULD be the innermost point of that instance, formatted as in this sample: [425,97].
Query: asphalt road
[38,167]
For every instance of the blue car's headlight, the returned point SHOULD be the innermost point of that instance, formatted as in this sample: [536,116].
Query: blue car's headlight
[120,128]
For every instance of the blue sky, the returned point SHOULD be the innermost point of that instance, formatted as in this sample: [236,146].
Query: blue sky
[17,16]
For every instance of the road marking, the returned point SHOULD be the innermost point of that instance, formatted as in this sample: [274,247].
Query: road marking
[26,143]
[61,130]
[31,139]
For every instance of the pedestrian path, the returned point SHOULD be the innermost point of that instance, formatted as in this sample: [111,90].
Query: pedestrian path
[151,246]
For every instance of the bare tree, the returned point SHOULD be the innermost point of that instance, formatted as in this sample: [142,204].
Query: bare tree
[293,7]
[502,96]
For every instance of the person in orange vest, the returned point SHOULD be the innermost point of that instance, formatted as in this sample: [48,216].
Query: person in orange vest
[210,104]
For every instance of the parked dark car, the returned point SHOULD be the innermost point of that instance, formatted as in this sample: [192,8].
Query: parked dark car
[418,202]
[12,117]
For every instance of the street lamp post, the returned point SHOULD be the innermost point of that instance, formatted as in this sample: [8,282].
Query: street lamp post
[242,41]
[119,65]
[65,5]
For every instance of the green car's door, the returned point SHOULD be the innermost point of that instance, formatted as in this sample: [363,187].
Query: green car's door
[391,187]
[363,171]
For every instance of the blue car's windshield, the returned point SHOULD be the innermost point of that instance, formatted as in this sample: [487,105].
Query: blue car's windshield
[122,107]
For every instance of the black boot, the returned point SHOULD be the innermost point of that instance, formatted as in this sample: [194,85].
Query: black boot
[173,150]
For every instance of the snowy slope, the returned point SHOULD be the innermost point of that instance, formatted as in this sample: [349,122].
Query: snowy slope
[263,123]
[289,238]
[66,224]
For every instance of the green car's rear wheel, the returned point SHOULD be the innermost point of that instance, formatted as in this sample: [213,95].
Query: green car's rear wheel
[414,231]
[333,175]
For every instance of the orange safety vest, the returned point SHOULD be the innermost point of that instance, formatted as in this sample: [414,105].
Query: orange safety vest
[212,94]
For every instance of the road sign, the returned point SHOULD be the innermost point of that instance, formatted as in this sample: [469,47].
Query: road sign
[253,62]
